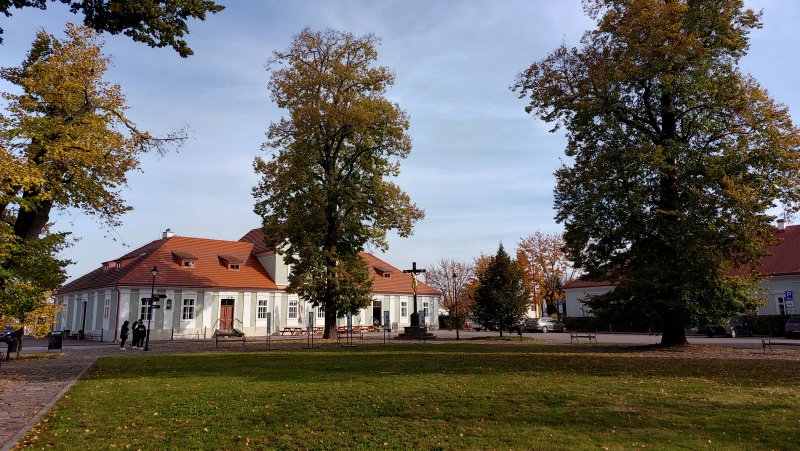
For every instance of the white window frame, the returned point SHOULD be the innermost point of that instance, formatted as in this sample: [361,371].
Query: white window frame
[404,309]
[293,309]
[143,312]
[262,307]
[188,305]
[320,312]
[106,308]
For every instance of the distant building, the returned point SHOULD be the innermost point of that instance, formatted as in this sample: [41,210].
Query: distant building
[214,284]
[781,266]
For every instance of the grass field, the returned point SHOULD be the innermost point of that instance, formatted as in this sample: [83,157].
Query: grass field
[449,396]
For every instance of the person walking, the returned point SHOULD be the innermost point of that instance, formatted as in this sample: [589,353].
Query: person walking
[123,336]
[139,331]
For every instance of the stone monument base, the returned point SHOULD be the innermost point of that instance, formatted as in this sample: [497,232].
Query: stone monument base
[416,333]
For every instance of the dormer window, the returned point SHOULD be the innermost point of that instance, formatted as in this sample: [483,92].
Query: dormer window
[383,272]
[232,262]
[185,259]
[105,266]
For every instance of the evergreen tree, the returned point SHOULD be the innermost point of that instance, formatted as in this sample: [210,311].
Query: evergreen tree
[502,297]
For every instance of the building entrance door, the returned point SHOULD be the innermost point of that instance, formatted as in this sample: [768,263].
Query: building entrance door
[376,313]
[226,314]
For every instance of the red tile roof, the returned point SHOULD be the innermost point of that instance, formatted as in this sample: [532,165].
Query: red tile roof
[211,258]
[397,282]
[208,272]
[256,237]
[783,259]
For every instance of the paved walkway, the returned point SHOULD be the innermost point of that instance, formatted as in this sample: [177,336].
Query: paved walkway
[29,387]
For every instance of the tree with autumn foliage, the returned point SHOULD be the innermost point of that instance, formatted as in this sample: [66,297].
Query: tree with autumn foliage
[501,296]
[451,278]
[65,143]
[157,23]
[546,266]
[677,158]
[325,192]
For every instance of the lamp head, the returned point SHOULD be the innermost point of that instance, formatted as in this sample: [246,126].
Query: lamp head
[154,271]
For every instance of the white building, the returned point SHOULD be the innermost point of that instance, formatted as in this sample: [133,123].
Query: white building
[214,284]
[782,268]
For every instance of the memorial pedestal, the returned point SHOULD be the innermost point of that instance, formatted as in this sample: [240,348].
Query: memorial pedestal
[416,333]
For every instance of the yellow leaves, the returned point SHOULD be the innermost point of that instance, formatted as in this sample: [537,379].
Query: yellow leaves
[39,321]
[65,139]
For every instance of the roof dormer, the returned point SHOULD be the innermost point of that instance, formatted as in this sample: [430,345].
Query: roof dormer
[185,259]
[383,272]
[233,262]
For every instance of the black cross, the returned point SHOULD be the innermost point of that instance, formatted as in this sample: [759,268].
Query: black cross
[414,271]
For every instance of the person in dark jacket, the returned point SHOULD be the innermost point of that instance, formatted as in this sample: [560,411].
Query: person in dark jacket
[139,331]
[123,335]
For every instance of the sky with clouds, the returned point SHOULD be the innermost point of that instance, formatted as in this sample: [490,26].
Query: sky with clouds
[480,167]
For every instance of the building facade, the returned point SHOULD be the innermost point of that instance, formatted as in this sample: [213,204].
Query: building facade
[208,284]
[781,268]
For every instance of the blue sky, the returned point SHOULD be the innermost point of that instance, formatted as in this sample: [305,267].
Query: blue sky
[480,167]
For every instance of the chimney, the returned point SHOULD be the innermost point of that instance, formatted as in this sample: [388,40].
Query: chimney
[781,225]
[168,234]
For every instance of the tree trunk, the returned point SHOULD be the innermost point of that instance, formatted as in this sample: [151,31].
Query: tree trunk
[330,323]
[30,222]
[673,333]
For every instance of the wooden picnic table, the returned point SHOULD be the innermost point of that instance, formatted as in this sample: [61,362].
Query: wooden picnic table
[292,331]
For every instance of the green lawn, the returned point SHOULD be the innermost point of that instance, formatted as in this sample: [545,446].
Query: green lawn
[484,396]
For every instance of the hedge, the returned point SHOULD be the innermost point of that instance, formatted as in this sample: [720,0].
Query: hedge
[447,322]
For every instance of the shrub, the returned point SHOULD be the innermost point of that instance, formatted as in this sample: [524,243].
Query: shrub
[448,322]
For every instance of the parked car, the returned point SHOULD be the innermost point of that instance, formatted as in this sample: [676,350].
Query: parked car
[792,327]
[731,327]
[5,333]
[544,324]
[474,325]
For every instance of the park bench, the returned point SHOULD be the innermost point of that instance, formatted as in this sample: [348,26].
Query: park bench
[341,334]
[93,336]
[768,343]
[576,336]
[228,335]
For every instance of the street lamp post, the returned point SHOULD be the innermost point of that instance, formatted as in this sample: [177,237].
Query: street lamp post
[455,306]
[154,272]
